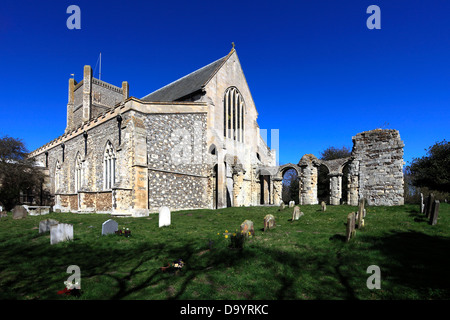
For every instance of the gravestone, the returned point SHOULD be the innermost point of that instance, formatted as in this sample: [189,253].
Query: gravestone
[37,210]
[269,222]
[44,225]
[291,204]
[109,227]
[422,205]
[429,206]
[351,219]
[246,227]
[164,217]
[323,206]
[434,212]
[296,214]
[61,232]
[361,212]
[19,212]
[282,206]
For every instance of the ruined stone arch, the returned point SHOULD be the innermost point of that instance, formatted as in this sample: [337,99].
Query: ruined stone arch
[285,167]
[282,187]
[336,180]
[233,114]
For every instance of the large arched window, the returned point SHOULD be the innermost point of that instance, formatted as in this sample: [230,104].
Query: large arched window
[78,172]
[109,168]
[233,115]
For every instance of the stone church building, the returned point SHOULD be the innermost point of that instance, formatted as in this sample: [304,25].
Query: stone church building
[195,143]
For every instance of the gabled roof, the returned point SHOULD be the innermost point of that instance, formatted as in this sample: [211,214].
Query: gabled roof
[188,84]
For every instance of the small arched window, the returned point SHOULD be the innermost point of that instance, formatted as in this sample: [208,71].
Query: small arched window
[109,168]
[78,172]
[233,115]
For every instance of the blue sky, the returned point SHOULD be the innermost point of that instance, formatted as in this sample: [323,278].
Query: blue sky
[316,72]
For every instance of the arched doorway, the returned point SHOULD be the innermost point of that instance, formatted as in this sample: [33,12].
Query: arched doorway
[323,184]
[290,188]
[345,181]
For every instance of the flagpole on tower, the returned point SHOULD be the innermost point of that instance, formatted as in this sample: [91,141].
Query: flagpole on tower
[100,72]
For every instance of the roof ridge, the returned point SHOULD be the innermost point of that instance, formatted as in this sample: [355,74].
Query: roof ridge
[220,66]
[188,75]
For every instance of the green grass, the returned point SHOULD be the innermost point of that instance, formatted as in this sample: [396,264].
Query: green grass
[304,259]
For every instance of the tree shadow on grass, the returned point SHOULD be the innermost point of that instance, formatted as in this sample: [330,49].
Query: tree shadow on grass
[418,217]
[415,261]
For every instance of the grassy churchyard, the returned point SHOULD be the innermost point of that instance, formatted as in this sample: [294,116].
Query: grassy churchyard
[304,259]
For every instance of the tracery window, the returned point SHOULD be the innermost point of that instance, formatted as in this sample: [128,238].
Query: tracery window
[109,168]
[234,111]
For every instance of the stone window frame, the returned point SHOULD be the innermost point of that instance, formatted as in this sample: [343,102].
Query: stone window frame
[57,175]
[233,114]
[79,171]
[109,166]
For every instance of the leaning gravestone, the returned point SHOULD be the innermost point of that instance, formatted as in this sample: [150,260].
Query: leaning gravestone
[351,219]
[422,206]
[434,213]
[19,212]
[164,217]
[269,222]
[247,227]
[323,206]
[361,212]
[296,214]
[282,206]
[109,227]
[291,204]
[44,225]
[61,232]
[429,205]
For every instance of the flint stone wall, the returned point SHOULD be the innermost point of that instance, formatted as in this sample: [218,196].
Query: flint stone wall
[378,159]
[177,174]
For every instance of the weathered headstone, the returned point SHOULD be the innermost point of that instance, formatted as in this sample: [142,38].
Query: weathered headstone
[291,204]
[351,218]
[282,206]
[429,206]
[44,225]
[61,232]
[434,212]
[37,210]
[109,227]
[296,214]
[19,212]
[164,217]
[269,222]
[422,205]
[361,212]
[247,227]
[323,206]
